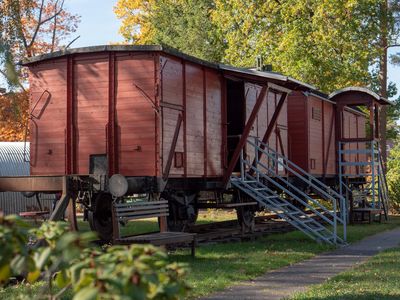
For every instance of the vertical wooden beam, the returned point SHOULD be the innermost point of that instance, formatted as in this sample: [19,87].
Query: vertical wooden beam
[338,133]
[157,116]
[330,141]
[112,134]
[70,144]
[184,120]
[371,121]
[323,139]
[205,120]
[377,125]
[224,126]
[245,135]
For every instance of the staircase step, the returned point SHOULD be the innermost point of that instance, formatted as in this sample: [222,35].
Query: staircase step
[308,220]
[317,229]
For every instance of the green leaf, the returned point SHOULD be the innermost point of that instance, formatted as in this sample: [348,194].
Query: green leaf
[5,273]
[33,276]
[43,258]
[87,293]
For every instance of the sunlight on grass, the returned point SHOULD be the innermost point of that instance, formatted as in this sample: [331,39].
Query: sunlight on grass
[221,265]
[379,278]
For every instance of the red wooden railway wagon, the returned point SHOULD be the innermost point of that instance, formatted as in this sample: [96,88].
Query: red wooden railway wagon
[151,120]
[313,127]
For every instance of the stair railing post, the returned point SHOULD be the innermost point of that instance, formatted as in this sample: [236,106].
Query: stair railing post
[342,205]
[345,218]
[373,172]
[335,221]
[241,165]
[256,157]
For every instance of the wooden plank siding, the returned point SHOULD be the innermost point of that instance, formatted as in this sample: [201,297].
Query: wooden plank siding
[312,136]
[47,154]
[91,108]
[136,115]
[298,133]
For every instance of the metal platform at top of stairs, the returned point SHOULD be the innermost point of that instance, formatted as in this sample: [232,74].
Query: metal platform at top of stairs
[267,177]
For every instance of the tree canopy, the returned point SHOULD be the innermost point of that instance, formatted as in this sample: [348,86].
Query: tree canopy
[183,24]
[27,28]
[330,44]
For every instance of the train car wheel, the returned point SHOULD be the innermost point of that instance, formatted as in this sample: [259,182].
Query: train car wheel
[100,217]
[182,210]
[246,218]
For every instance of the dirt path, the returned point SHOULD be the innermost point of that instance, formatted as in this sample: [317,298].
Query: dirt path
[296,278]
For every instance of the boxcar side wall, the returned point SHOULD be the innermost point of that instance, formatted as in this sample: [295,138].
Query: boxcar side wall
[195,92]
[87,93]
[297,123]
[136,114]
[91,83]
[315,135]
[312,134]
[48,92]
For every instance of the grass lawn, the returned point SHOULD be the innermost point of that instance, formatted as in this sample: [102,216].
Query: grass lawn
[221,265]
[378,278]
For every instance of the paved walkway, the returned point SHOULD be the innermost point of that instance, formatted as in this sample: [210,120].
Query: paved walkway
[298,277]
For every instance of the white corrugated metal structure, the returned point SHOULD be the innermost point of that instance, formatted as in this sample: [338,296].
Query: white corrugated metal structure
[14,161]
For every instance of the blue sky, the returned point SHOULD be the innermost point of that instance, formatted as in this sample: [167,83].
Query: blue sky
[98,25]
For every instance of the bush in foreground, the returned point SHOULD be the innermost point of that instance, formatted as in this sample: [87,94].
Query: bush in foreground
[66,259]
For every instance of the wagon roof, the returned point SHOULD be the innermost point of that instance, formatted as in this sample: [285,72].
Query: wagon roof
[158,48]
[367,91]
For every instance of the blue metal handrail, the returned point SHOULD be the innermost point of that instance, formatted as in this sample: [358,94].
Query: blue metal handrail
[274,178]
[306,177]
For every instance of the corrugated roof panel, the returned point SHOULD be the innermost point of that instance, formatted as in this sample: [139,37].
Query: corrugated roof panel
[14,161]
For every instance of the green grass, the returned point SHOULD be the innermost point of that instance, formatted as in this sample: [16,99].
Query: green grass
[378,278]
[218,266]
[221,265]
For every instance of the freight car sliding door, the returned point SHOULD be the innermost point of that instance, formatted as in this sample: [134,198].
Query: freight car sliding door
[91,107]
[48,125]
[236,109]
[136,114]
[172,106]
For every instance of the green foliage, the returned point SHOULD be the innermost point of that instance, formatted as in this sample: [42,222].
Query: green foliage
[137,272]
[15,256]
[182,24]
[393,176]
[330,44]
[66,260]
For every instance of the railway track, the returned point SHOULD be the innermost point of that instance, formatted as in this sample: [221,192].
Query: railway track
[234,232]
[230,231]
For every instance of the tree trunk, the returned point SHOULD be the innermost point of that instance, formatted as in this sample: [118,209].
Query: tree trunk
[383,79]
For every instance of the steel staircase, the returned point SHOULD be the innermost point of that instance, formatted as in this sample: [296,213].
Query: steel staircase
[261,179]
[374,189]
